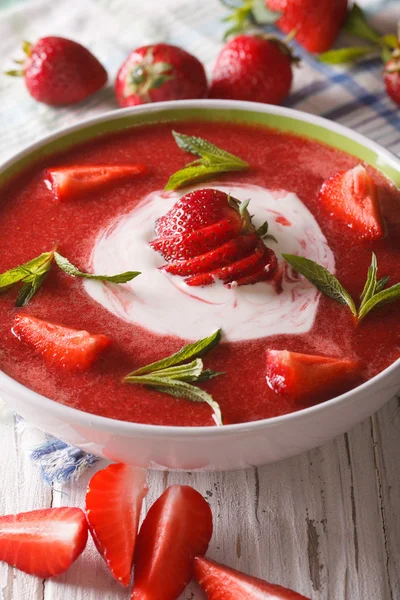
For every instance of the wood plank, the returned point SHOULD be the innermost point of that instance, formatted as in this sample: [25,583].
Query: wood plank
[21,490]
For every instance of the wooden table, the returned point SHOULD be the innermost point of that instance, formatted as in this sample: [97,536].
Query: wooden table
[325,523]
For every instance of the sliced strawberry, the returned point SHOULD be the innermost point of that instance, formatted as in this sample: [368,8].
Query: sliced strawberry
[189,245]
[177,528]
[222,583]
[219,257]
[306,376]
[73,181]
[266,270]
[231,272]
[352,198]
[62,346]
[196,210]
[43,542]
[113,501]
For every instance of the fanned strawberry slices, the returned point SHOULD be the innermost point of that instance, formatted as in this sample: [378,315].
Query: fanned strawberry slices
[352,198]
[307,376]
[43,542]
[222,583]
[72,181]
[209,236]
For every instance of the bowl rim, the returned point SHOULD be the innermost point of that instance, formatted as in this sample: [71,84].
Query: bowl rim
[68,413]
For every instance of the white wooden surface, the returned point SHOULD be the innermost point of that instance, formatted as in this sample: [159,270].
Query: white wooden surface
[325,523]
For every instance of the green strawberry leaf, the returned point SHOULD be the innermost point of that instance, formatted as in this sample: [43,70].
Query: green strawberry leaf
[66,266]
[356,23]
[322,279]
[381,284]
[383,297]
[346,55]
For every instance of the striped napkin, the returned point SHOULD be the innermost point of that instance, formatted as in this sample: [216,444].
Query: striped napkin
[354,96]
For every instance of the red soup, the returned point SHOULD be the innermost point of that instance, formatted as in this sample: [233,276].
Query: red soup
[108,230]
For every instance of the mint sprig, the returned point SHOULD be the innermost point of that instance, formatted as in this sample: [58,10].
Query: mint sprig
[33,273]
[173,376]
[66,266]
[30,274]
[212,161]
[373,295]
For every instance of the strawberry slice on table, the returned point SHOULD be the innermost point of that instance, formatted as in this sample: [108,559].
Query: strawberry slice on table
[113,502]
[43,542]
[352,198]
[307,376]
[64,347]
[222,583]
[69,182]
[177,527]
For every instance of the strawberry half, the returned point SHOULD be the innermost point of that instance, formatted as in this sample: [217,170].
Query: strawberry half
[43,542]
[351,197]
[62,346]
[177,528]
[69,182]
[222,583]
[308,377]
[113,502]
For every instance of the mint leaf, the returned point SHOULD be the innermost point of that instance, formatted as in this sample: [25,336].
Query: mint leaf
[381,284]
[21,272]
[30,289]
[371,283]
[346,55]
[383,297]
[322,279]
[190,351]
[171,377]
[356,23]
[181,389]
[212,160]
[66,266]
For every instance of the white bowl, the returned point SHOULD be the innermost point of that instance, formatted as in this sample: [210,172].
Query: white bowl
[209,448]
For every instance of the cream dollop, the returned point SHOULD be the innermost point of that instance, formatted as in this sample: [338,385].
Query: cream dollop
[164,304]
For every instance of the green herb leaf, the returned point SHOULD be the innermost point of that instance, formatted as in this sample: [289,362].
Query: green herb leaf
[171,377]
[28,290]
[212,160]
[383,297]
[190,351]
[381,284]
[371,283]
[356,23]
[346,55]
[322,279]
[66,266]
[181,389]
[22,271]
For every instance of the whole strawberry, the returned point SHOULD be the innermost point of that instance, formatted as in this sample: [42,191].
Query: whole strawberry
[159,72]
[391,76]
[58,71]
[316,23]
[253,68]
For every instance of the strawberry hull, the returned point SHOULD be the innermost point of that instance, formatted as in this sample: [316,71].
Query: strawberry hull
[281,161]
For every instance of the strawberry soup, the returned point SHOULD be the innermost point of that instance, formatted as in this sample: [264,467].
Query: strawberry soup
[113,228]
